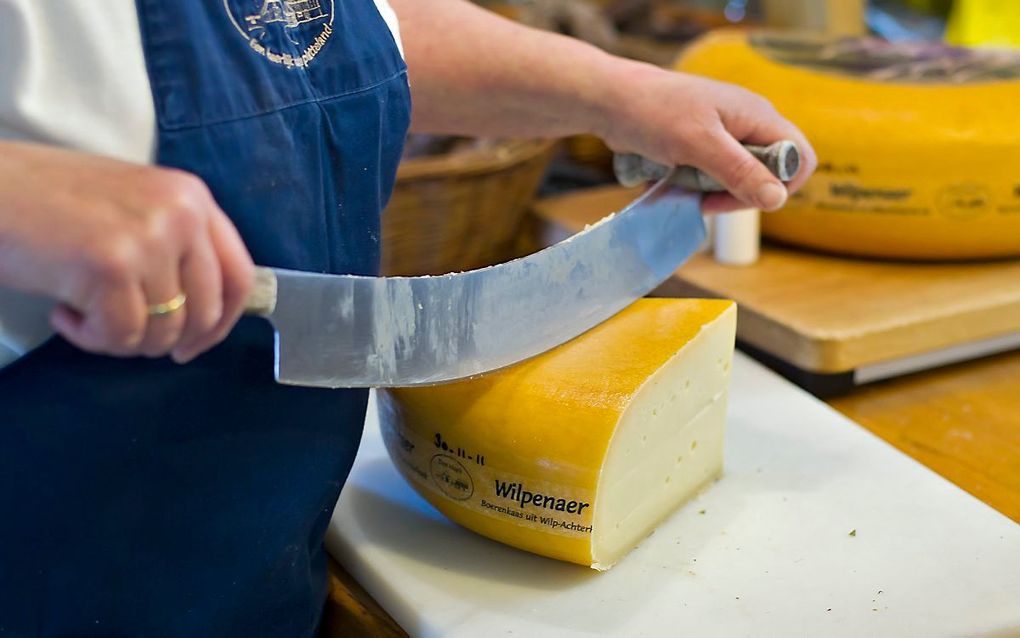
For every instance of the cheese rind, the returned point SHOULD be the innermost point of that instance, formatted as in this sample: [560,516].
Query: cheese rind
[576,454]
[917,145]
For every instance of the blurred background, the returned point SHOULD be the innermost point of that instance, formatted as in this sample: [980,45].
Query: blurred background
[462,203]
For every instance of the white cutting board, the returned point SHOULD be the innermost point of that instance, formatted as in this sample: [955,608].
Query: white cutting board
[772,554]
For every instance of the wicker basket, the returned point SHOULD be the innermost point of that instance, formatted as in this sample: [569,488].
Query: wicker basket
[461,210]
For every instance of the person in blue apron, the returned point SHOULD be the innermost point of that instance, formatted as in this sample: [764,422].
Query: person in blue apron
[139,496]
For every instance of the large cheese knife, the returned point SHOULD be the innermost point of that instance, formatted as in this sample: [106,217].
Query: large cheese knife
[351,331]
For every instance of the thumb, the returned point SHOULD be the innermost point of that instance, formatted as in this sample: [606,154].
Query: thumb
[741,173]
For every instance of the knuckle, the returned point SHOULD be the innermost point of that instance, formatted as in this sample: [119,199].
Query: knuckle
[154,230]
[161,341]
[703,126]
[697,134]
[119,326]
[149,351]
[115,259]
[761,102]
[206,318]
[181,185]
[185,218]
[125,338]
[155,350]
[181,199]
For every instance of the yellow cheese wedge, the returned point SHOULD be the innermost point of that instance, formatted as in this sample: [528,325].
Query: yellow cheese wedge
[579,453]
[918,146]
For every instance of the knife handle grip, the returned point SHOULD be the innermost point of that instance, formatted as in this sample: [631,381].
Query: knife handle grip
[782,159]
[262,299]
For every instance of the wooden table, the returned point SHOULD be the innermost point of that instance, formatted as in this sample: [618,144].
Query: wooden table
[350,611]
[962,421]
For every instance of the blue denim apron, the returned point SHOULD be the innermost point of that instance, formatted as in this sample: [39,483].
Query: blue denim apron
[141,498]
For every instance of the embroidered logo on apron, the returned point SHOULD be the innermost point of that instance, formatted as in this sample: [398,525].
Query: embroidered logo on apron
[287,32]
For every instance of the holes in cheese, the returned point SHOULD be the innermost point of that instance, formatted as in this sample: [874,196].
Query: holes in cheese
[578,453]
[917,143]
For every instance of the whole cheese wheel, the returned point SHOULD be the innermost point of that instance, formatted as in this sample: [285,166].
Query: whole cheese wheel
[918,145]
[576,454]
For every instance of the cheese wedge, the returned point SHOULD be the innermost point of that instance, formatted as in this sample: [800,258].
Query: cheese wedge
[578,453]
[918,145]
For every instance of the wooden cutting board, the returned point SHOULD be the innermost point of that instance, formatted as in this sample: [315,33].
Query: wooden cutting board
[827,314]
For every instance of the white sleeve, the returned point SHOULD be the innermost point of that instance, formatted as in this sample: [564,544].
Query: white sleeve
[73,75]
[390,17]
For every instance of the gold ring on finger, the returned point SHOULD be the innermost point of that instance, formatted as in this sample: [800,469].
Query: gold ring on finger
[168,307]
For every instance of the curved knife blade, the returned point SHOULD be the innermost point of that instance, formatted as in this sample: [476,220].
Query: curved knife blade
[351,331]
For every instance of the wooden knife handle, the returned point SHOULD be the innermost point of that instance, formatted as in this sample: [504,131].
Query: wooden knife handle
[262,300]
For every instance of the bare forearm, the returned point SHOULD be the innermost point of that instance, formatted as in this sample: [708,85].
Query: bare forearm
[475,73]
